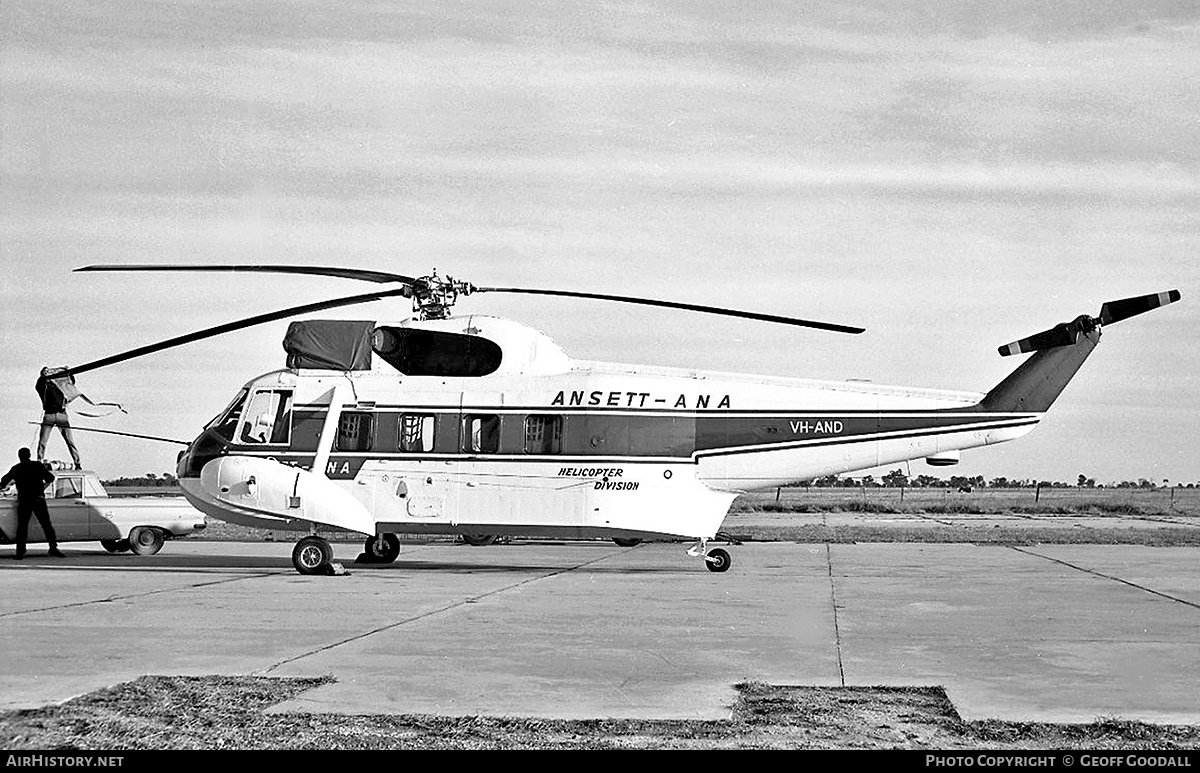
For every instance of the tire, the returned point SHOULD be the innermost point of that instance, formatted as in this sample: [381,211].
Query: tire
[627,542]
[479,540]
[115,545]
[382,548]
[717,560]
[145,540]
[312,555]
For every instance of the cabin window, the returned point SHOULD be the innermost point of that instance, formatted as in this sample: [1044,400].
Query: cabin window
[543,434]
[416,352]
[267,419]
[481,433]
[355,430]
[417,432]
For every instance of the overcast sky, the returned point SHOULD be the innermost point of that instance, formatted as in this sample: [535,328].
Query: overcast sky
[950,175]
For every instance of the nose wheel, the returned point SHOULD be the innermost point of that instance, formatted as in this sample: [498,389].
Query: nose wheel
[312,555]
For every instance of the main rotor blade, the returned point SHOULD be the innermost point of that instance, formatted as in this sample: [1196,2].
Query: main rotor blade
[229,327]
[685,306]
[382,277]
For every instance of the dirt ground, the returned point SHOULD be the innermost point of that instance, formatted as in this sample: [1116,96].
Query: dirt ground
[185,713]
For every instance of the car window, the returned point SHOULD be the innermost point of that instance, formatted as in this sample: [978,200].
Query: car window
[67,488]
[93,488]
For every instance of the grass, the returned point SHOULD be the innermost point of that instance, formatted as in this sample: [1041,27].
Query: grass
[1165,502]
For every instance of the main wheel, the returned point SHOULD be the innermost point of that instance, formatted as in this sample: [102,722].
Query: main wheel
[479,540]
[312,554]
[115,545]
[382,548]
[145,540]
[717,560]
[627,542]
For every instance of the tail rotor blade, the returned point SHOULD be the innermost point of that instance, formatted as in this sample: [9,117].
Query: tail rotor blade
[1115,311]
[1063,334]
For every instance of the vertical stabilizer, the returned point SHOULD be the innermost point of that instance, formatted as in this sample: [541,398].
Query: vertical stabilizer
[1034,386]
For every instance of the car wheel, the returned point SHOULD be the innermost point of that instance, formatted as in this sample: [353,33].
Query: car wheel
[145,540]
[627,542]
[479,540]
[115,545]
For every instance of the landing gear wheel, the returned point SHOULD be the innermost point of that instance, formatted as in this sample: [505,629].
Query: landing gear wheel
[479,540]
[627,542]
[312,555]
[145,540]
[115,545]
[717,560]
[382,548]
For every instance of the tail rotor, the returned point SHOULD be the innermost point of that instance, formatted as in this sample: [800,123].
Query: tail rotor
[1069,333]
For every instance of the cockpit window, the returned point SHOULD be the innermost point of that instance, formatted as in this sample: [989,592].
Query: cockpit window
[226,421]
[267,419]
[416,352]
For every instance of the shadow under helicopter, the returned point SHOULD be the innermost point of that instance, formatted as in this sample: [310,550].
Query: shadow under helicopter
[225,562]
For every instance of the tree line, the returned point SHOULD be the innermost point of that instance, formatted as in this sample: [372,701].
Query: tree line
[894,479]
[898,479]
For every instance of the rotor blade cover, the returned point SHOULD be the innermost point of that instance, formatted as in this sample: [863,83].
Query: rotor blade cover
[331,344]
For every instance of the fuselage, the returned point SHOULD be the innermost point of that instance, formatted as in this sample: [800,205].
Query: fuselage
[485,425]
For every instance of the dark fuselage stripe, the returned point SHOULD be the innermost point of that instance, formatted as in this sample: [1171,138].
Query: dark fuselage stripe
[611,435]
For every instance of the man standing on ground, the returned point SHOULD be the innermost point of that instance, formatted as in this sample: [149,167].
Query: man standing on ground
[31,478]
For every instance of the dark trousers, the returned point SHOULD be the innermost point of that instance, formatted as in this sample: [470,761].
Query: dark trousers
[25,511]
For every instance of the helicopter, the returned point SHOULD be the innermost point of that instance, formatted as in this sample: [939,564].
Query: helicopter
[477,425]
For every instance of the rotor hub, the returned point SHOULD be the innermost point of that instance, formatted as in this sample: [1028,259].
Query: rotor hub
[434,296]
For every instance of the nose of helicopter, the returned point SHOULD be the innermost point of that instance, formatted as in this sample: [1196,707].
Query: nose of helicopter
[239,487]
[206,447]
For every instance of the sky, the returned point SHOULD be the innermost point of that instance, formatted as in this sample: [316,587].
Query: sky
[950,175]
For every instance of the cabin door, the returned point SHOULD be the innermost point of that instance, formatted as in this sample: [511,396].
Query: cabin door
[485,436]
